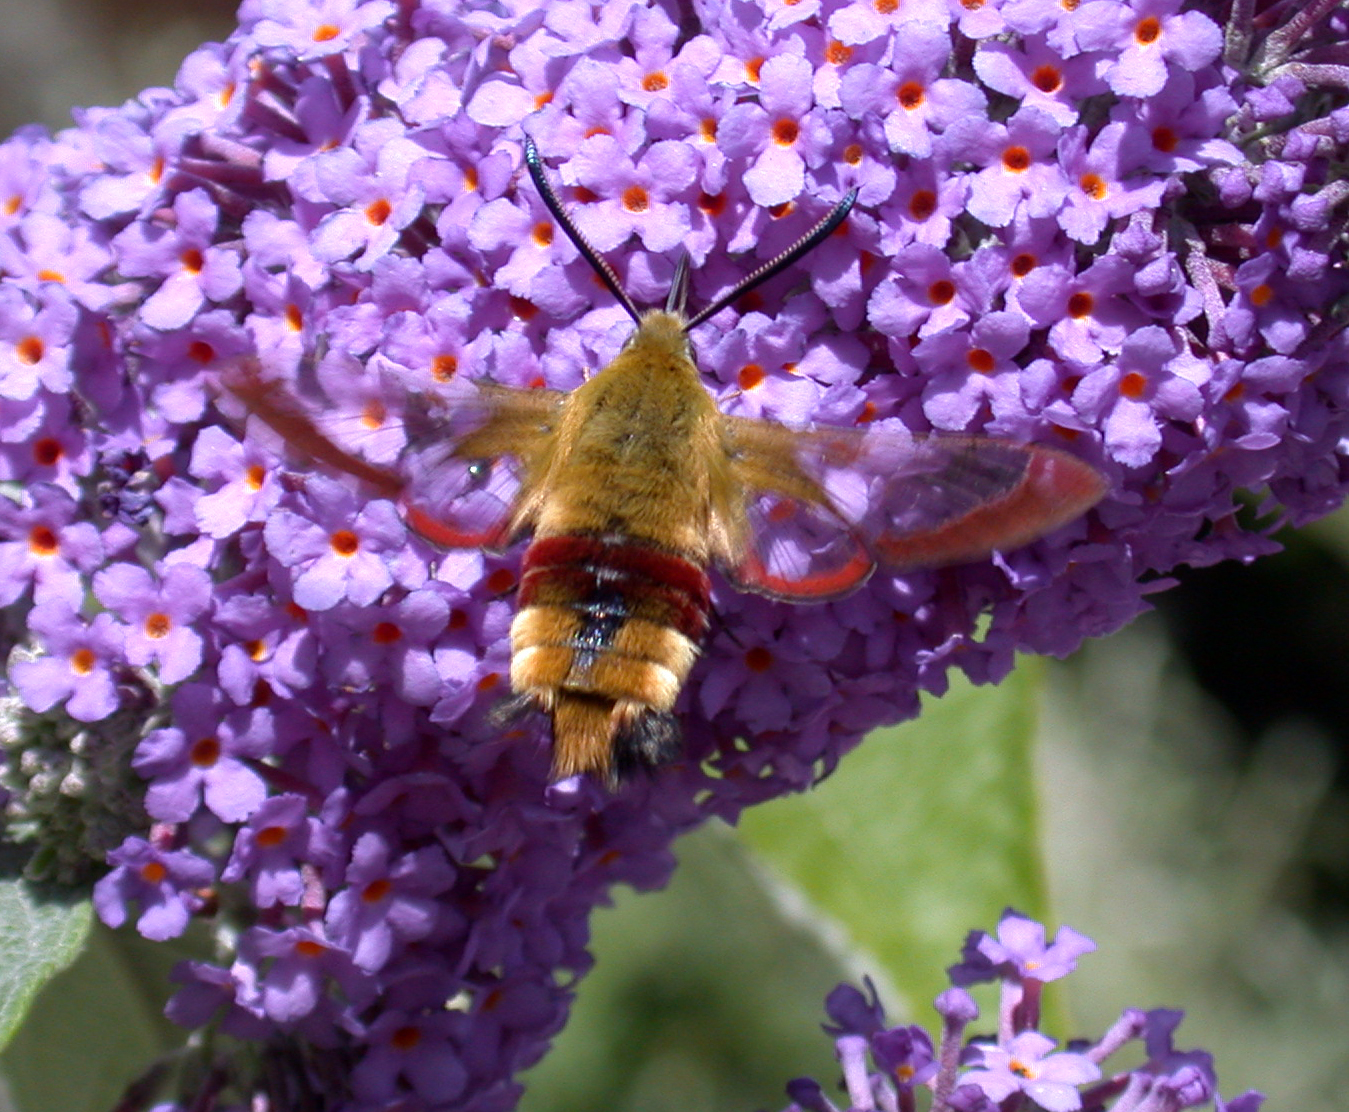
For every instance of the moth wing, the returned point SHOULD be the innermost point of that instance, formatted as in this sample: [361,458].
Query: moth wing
[474,470]
[931,501]
[271,402]
[822,507]
[776,530]
[468,476]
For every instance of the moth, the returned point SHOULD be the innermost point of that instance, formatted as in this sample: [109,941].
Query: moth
[633,485]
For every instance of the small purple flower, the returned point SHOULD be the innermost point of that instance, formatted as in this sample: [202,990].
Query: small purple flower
[387,899]
[1027,1065]
[1102,188]
[203,759]
[159,616]
[183,256]
[299,965]
[263,643]
[248,488]
[1153,35]
[35,344]
[952,395]
[393,647]
[1040,76]
[77,667]
[411,1050]
[1151,381]
[780,136]
[337,553]
[639,197]
[374,190]
[163,883]
[905,1054]
[1019,950]
[42,545]
[909,94]
[273,849]
[1014,171]
[325,28]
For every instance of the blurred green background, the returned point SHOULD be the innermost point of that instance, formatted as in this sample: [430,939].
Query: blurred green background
[1189,801]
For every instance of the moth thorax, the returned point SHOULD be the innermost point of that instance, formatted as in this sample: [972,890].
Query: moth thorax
[661,334]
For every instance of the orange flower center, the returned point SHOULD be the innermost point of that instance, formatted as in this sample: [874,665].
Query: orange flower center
[941,292]
[205,752]
[1047,78]
[344,542]
[1148,30]
[981,361]
[922,204]
[406,1038]
[30,350]
[1080,305]
[386,633]
[378,211]
[42,541]
[1093,185]
[1133,385]
[269,837]
[758,659]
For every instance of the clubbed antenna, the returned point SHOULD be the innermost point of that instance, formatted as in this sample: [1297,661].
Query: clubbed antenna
[602,268]
[807,242]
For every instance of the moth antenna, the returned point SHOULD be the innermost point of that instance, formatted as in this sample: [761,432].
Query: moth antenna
[679,287]
[602,268]
[779,263]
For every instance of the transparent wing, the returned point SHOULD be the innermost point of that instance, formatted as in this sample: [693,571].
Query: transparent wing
[464,477]
[777,529]
[937,500]
[472,470]
[822,507]
[271,402]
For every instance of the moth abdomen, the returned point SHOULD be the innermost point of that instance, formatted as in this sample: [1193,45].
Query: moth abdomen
[607,631]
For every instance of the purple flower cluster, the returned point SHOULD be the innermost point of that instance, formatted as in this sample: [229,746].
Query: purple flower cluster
[1019,1068]
[1109,226]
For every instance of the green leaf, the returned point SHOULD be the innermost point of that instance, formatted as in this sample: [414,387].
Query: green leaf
[928,830]
[42,930]
[707,995]
[97,1027]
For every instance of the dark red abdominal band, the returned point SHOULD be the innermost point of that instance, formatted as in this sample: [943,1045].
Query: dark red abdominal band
[628,579]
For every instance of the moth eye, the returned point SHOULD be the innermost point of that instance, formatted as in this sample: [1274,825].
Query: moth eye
[478,471]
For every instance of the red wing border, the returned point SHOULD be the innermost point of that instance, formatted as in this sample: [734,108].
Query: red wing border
[822,507]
